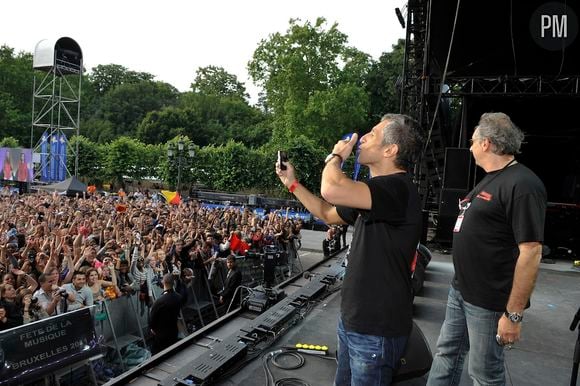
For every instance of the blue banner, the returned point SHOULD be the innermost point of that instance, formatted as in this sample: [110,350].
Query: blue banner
[53,157]
[62,145]
[44,164]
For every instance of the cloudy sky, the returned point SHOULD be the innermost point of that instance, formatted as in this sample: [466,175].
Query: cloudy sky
[171,39]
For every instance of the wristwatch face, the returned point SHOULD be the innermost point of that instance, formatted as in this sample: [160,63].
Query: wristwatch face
[328,158]
[514,317]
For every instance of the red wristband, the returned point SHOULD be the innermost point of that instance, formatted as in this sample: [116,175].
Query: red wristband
[293,187]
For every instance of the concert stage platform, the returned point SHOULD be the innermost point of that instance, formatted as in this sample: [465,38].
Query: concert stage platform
[543,357]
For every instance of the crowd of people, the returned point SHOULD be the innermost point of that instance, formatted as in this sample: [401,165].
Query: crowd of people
[60,253]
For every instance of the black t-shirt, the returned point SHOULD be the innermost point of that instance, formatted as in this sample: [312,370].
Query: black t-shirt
[508,208]
[376,293]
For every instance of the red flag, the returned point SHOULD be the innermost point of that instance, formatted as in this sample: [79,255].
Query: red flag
[238,246]
[235,242]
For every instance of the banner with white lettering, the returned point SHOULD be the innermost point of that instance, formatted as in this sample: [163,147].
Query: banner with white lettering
[33,350]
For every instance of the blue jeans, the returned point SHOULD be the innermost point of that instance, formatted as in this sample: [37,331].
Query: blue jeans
[467,328]
[367,359]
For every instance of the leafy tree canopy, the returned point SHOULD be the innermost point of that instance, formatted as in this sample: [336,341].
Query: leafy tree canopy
[127,104]
[106,77]
[16,77]
[9,142]
[300,69]
[213,80]
[382,81]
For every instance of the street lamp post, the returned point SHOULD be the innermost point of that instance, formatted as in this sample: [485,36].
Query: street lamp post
[183,158]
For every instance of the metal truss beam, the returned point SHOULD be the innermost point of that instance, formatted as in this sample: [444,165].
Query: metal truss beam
[508,86]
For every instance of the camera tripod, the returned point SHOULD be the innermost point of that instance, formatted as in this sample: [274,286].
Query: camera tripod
[573,326]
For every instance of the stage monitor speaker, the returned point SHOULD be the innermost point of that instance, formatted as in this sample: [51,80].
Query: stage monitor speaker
[457,169]
[417,358]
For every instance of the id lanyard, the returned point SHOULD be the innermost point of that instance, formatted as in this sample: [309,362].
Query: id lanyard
[466,202]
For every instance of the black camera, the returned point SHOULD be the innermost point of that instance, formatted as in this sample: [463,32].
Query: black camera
[32,256]
[62,292]
[33,301]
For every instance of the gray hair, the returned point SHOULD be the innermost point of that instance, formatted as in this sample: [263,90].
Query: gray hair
[503,134]
[402,131]
[168,280]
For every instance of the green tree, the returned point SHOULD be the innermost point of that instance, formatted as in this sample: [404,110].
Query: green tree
[301,68]
[382,80]
[16,79]
[150,164]
[106,77]
[336,112]
[226,167]
[127,104]
[157,126]
[213,80]
[207,119]
[169,166]
[122,159]
[90,158]
[9,142]
[97,130]
[308,159]
[165,124]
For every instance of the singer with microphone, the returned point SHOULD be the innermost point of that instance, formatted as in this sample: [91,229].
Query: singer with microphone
[376,308]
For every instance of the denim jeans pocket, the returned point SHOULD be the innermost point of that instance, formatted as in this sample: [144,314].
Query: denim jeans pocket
[365,350]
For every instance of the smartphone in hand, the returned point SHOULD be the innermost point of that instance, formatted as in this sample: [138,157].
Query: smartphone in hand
[282,157]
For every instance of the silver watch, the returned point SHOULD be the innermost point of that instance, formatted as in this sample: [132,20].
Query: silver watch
[514,317]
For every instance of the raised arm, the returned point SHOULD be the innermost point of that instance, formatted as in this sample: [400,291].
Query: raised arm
[315,205]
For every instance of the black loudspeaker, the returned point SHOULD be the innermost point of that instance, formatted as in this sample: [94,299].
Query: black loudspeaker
[449,204]
[269,268]
[448,211]
[417,358]
[457,169]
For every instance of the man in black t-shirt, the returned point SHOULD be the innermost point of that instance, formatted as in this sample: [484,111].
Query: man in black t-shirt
[496,253]
[376,307]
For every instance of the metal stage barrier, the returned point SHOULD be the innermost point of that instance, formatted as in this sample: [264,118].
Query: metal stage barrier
[125,320]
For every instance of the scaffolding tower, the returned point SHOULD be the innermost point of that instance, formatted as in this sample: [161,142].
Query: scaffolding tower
[56,107]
